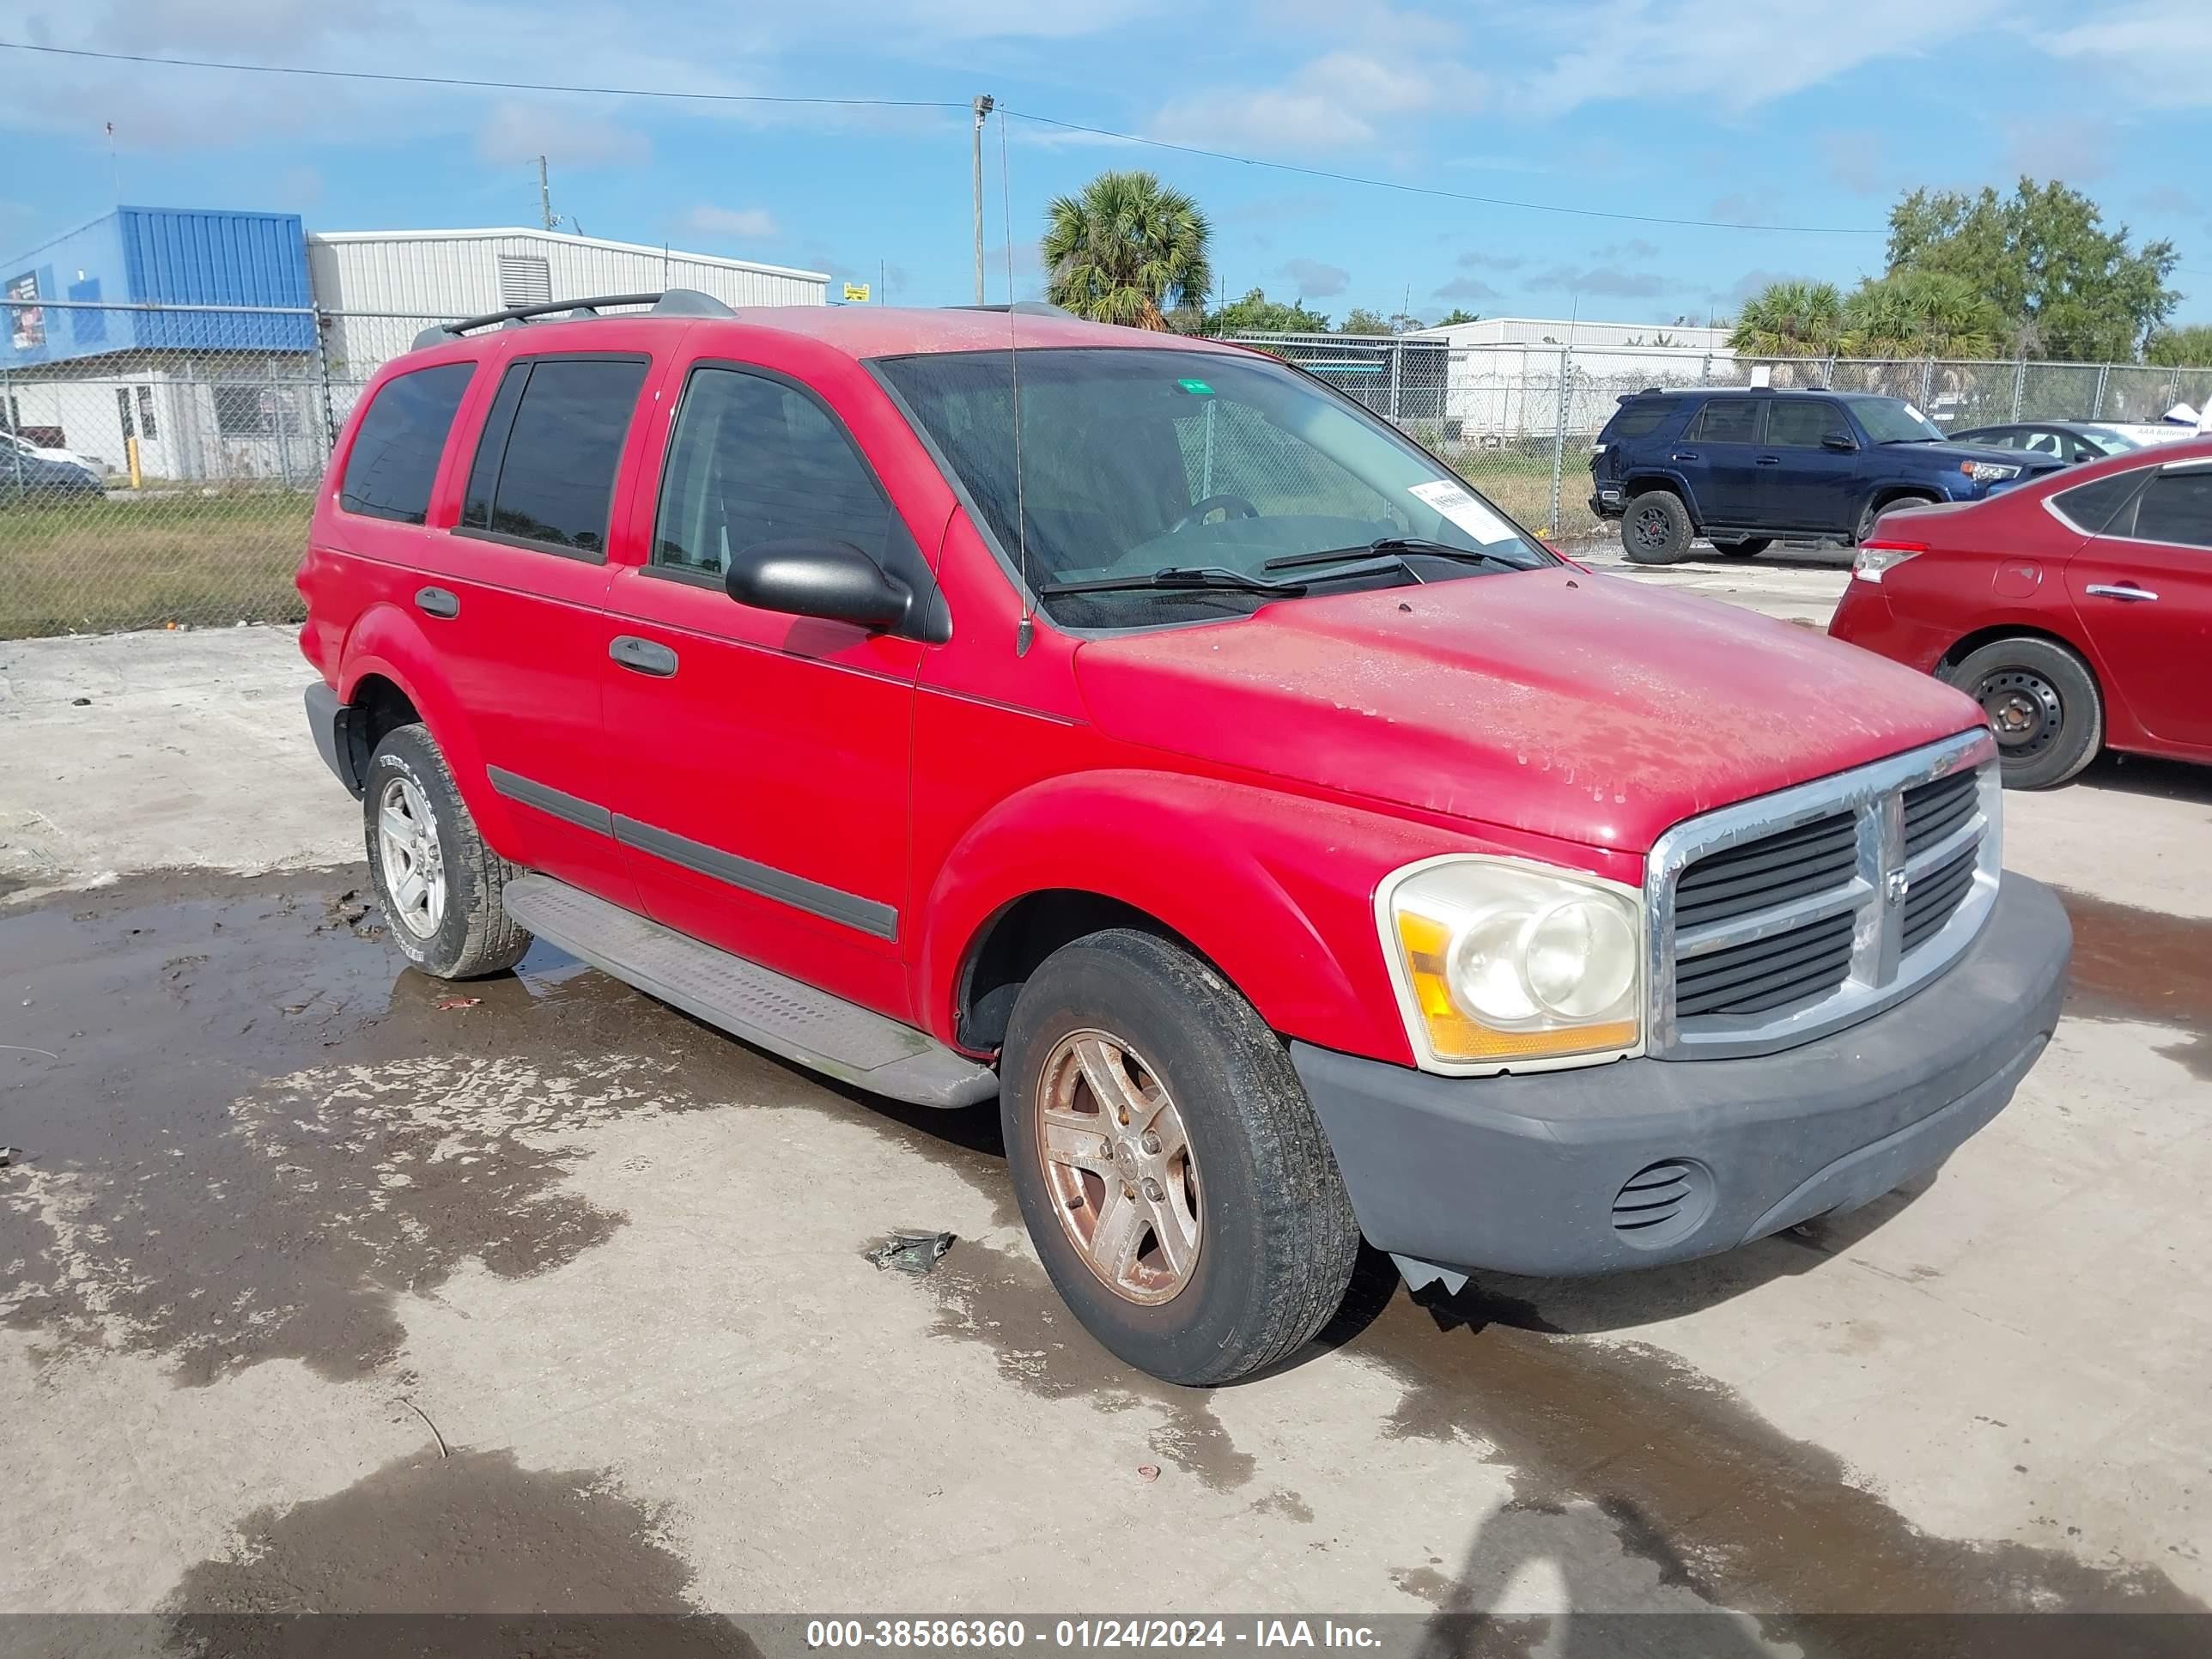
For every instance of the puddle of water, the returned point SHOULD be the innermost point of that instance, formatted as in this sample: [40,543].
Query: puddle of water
[2136,964]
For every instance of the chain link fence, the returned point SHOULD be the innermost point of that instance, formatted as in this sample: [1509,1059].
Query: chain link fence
[158,465]
[1518,421]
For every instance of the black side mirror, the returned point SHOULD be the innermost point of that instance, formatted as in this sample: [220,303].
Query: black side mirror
[1838,440]
[809,576]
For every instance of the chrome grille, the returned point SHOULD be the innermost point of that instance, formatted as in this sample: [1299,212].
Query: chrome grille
[1781,918]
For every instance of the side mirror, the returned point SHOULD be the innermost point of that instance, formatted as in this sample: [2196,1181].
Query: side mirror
[809,576]
[1838,440]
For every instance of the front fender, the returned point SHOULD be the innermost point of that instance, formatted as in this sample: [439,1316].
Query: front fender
[1276,890]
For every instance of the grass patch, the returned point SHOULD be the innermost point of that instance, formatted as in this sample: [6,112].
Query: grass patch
[144,561]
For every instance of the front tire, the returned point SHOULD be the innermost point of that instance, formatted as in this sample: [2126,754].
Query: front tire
[438,884]
[1171,1172]
[1656,528]
[2042,703]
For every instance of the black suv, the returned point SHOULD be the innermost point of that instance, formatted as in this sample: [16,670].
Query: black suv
[1743,467]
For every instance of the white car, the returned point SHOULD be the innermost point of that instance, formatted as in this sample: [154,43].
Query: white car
[91,463]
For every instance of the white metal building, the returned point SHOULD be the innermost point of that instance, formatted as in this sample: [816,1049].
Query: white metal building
[1504,381]
[421,276]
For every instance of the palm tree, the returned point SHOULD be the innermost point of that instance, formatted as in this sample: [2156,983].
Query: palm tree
[1790,320]
[1913,313]
[1128,250]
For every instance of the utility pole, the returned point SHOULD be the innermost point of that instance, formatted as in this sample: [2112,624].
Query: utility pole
[983,104]
[544,196]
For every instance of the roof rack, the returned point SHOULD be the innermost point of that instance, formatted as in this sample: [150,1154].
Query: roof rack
[672,302]
[1024,308]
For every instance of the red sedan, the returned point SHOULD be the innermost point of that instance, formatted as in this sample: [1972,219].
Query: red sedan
[2075,609]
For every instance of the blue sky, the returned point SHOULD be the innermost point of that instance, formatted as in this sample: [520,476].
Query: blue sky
[1784,112]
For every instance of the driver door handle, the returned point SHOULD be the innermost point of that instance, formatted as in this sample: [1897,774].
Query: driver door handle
[1770,460]
[2127,591]
[643,656]
[1684,455]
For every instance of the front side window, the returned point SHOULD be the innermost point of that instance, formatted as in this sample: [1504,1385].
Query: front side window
[394,459]
[754,459]
[1804,423]
[2177,508]
[544,471]
[1728,421]
[1177,485]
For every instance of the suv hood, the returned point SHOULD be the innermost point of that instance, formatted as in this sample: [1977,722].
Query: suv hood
[1557,702]
[2027,461]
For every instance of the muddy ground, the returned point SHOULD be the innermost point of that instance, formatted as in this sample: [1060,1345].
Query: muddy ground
[324,1286]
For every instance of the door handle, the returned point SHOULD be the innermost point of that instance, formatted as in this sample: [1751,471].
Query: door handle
[643,656]
[438,602]
[1770,460]
[1684,455]
[2127,591]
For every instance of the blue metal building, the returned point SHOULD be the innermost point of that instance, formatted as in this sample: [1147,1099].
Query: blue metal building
[138,256]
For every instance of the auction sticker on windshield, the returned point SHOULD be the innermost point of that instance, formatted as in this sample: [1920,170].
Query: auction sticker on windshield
[1465,511]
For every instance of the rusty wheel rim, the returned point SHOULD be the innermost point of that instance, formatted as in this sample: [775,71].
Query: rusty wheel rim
[1117,1162]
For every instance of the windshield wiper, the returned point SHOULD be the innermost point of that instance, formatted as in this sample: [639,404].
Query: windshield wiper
[1176,577]
[1396,546]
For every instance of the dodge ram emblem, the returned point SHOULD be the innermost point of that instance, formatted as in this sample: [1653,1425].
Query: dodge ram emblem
[1897,885]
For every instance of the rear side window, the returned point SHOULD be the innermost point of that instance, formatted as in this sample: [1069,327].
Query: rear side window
[545,470]
[1728,421]
[394,459]
[1638,418]
[756,460]
[2177,508]
[2090,507]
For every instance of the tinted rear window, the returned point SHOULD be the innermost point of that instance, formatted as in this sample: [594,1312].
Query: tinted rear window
[2092,505]
[1728,421]
[1638,418]
[555,480]
[394,459]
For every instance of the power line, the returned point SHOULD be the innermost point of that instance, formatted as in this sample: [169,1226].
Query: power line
[488,86]
[1435,190]
[471,83]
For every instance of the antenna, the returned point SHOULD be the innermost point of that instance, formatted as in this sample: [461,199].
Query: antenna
[1025,630]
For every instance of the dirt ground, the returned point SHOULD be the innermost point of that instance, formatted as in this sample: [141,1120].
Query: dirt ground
[324,1286]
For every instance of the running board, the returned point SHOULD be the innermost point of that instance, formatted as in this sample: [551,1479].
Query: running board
[783,1016]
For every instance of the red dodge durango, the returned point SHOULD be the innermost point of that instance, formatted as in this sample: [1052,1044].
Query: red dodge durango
[985,704]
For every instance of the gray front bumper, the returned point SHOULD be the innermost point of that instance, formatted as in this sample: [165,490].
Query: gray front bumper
[1523,1175]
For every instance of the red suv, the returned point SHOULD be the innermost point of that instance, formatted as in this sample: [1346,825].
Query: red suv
[971,705]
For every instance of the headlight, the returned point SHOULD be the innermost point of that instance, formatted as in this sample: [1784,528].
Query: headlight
[1988,472]
[1498,963]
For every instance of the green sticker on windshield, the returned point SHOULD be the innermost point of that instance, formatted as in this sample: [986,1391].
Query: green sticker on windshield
[1196,388]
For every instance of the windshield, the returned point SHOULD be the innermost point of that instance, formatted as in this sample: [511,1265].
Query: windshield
[1140,460]
[1893,420]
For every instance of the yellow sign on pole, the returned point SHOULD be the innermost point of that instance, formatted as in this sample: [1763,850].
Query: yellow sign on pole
[856,293]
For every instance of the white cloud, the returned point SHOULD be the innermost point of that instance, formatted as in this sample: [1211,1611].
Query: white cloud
[565,135]
[1339,100]
[753,224]
[2158,52]
[1317,281]
[1725,53]
[1467,288]
[2076,148]
[1606,281]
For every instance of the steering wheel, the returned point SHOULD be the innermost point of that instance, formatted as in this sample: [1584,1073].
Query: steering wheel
[1234,506]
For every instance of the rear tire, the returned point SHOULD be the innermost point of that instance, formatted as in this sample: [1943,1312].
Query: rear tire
[2043,704]
[1743,547]
[1656,527]
[438,884]
[1269,1238]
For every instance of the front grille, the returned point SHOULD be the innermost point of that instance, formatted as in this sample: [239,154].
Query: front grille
[1784,917]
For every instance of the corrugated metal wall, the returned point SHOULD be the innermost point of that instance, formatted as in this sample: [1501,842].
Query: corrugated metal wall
[445,277]
[184,256]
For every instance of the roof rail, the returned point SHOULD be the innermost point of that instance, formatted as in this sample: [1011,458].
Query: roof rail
[671,302]
[1024,308]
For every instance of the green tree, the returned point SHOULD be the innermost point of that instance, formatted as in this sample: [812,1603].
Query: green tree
[1361,320]
[1255,314]
[2181,348]
[1128,250]
[1790,319]
[2064,285]
[1917,313]
[1457,315]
